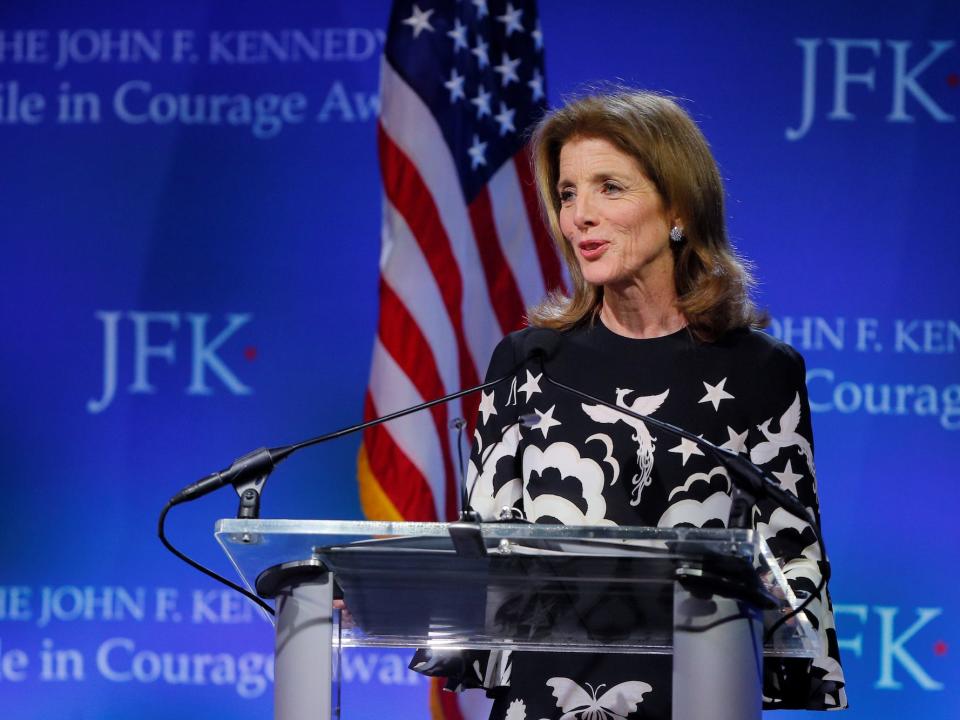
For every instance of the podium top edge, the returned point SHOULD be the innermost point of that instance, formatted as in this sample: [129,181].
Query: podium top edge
[360,528]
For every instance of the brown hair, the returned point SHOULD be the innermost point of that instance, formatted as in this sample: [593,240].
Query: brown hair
[712,282]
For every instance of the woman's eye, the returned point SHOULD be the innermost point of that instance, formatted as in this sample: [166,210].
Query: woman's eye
[611,187]
[566,195]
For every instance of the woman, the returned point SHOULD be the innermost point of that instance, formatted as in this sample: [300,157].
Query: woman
[660,321]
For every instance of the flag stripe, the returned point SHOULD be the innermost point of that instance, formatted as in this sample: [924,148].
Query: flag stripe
[407,192]
[443,704]
[549,260]
[402,338]
[504,295]
[391,390]
[516,237]
[376,503]
[413,128]
[399,478]
[406,271]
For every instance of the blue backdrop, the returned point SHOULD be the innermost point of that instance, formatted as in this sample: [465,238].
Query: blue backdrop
[189,218]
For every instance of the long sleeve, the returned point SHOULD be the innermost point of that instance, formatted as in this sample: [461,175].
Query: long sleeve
[782,445]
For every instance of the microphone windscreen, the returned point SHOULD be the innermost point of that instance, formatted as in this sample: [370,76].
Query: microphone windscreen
[541,342]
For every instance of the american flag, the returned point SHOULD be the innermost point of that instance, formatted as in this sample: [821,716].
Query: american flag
[464,252]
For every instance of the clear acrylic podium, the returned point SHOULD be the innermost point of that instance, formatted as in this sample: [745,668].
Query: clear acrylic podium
[702,595]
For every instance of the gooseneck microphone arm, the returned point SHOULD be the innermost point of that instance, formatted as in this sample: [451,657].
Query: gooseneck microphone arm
[255,466]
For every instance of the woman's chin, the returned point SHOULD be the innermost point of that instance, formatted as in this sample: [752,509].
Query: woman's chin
[596,274]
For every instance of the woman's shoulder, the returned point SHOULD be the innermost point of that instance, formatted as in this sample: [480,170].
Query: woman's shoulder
[515,342]
[512,348]
[769,364]
[759,345]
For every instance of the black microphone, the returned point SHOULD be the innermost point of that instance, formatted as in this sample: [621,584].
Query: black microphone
[255,464]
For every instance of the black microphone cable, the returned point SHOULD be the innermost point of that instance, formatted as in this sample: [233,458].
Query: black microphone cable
[206,571]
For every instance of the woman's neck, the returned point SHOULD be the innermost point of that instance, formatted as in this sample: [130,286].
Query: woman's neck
[641,311]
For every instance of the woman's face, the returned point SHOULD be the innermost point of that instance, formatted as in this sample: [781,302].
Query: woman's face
[612,215]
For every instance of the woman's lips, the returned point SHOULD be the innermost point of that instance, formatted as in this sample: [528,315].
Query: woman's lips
[592,249]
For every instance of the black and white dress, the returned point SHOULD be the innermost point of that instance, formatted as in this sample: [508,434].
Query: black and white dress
[585,465]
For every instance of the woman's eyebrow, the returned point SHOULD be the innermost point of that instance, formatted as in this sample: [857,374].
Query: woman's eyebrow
[598,176]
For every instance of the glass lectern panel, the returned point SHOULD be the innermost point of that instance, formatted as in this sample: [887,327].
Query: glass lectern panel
[523,586]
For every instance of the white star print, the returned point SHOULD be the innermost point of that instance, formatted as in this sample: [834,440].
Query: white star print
[508,70]
[458,35]
[536,84]
[486,406]
[481,6]
[546,421]
[788,478]
[482,101]
[455,86]
[477,153]
[419,21]
[531,386]
[505,118]
[716,393]
[537,36]
[737,442]
[511,20]
[686,448]
[481,52]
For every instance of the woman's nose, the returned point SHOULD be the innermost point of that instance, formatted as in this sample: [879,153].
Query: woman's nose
[584,211]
